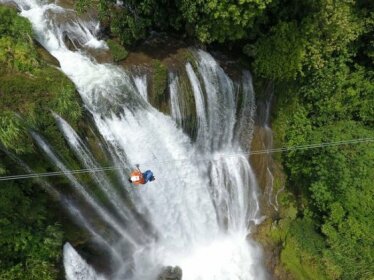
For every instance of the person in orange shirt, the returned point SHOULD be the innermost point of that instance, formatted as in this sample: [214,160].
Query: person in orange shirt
[139,178]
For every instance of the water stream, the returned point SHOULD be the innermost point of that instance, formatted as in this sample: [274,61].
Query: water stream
[198,212]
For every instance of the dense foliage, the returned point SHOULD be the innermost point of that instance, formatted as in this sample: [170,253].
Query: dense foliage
[30,237]
[30,242]
[328,97]
[206,20]
[29,87]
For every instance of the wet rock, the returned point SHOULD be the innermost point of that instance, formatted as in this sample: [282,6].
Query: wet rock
[171,273]
[103,31]
[70,43]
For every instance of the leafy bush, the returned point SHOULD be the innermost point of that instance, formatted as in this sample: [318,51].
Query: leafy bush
[30,247]
[29,88]
[206,20]
[280,54]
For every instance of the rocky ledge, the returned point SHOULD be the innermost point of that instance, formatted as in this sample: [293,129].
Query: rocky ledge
[171,273]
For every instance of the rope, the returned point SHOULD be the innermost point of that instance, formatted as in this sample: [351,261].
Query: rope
[258,152]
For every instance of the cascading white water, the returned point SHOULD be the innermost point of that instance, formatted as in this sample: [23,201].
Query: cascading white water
[141,85]
[72,209]
[268,144]
[84,193]
[202,122]
[100,178]
[76,268]
[175,102]
[205,193]
[220,94]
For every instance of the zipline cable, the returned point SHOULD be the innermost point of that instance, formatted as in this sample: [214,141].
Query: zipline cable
[215,157]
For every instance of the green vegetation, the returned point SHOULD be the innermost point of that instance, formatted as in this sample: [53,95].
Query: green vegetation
[30,244]
[118,51]
[206,20]
[159,80]
[328,97]
[30,89]
[30,237]
[280,54]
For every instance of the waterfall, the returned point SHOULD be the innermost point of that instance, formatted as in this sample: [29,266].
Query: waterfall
[266,135]
[205,194]
[76,268]
[141,85]
[101,211]
[74,212]
[87,159]
[175,102]
[202,122]
[219,92]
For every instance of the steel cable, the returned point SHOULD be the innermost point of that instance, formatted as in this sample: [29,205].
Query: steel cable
[215,157]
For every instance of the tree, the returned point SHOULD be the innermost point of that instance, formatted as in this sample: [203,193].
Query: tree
[279,55]
[220,21]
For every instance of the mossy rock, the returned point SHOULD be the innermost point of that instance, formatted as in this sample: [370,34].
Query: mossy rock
[117,50]
[159,78]
[159,95]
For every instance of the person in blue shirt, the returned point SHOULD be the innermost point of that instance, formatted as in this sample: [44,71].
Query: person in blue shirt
[148,176]
[137,177]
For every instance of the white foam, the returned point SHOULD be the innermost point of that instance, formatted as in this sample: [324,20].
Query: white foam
[77,268]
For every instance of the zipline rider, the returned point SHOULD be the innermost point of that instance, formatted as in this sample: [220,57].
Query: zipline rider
[139,178]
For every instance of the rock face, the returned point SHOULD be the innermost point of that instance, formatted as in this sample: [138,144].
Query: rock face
[171,273]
